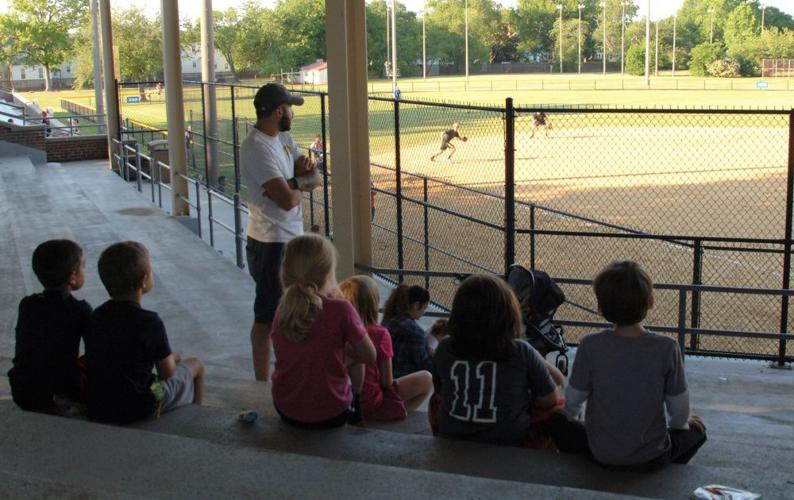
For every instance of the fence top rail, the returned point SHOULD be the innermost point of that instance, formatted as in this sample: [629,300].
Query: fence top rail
[606,109]
[681,287]
[441,104]
[672,238]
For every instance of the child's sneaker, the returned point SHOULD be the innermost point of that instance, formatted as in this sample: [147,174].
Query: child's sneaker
[354,416]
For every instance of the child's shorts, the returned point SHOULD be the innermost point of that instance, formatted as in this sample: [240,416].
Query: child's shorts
[178,389]
[391,407]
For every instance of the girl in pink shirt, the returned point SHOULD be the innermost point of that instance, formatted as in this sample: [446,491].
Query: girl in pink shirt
[312,327]
[381,398]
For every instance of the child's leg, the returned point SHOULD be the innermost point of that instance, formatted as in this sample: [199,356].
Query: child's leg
[685,443]
[356,373]
[196,367]
[414,388]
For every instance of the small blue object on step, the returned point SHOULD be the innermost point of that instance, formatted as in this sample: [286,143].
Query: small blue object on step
[247,416]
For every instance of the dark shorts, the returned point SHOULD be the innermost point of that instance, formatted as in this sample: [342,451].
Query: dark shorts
[445,144]
[264,265]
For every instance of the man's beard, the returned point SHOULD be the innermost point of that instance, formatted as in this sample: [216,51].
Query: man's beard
[285,124]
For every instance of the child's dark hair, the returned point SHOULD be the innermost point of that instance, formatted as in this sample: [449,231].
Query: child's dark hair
[624,292]
[55,260]
[485,319]
[123,266]
[401,298]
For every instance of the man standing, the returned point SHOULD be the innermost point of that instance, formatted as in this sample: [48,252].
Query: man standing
[275,175]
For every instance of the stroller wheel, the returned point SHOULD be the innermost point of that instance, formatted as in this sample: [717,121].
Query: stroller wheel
[562,363]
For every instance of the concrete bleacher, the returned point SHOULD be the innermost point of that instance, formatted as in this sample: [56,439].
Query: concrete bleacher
[205,301]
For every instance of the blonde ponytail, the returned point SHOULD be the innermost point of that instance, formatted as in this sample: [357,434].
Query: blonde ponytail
[309,263]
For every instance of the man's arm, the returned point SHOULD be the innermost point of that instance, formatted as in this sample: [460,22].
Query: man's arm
[166,367]
[283,192]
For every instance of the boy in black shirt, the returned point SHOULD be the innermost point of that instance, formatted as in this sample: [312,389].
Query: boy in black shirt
[446,142]
[49,328]
[126,341]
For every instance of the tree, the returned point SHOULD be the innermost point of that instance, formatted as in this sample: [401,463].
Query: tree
[570,40]
[257,42]
[42,31]
[139,42]
[703,55]
[740,25]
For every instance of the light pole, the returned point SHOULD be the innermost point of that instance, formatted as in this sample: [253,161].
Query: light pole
[675,25]
[388,29]
[656,57]
[711,24]
[763,17]
[604,28]
[581,6]
[466,16]
[623,37]
[424,44]
[559,7]
[393,45]
[648,46]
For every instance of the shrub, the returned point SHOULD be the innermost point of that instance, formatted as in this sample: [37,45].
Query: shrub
[702,55]
[724,68]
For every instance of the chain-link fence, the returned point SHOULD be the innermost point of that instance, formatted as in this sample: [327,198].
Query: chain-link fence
[701,198]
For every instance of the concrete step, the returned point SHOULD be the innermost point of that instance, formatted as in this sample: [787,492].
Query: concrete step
[420,452]
[51,457]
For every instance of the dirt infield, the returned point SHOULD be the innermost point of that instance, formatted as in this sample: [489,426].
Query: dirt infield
[727,181]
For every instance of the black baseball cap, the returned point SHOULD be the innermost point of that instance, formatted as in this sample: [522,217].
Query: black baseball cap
[272,95]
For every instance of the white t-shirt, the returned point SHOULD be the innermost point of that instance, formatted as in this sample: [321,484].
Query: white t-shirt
[263,158]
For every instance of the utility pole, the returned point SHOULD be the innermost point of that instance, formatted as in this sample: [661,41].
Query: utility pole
[675,25]
[581,6]
[559,7]
[623,37]
[393,45]
[424,44]
[763,17]
[656,57]
[466,16]
[388,30]
[711,24]
[648,46]
[604,28]
[99,110]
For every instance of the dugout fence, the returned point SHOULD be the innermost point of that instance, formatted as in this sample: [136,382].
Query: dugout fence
[702,198]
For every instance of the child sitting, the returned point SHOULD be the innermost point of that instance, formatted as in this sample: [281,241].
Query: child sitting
[127,341]
[405,305]
[487,380]
[312,326]
[45,376]
[382,397]
[628,375]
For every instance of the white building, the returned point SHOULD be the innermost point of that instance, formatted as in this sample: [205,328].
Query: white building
[191,64]
[315,73]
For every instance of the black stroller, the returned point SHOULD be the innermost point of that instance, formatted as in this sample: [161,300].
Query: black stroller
[539,297]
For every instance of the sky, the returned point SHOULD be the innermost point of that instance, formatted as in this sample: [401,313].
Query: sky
[190,8]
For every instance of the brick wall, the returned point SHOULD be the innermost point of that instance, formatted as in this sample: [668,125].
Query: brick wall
[30,136]
[88,147]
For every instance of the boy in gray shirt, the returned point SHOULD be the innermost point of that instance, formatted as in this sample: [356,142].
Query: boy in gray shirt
[628,376]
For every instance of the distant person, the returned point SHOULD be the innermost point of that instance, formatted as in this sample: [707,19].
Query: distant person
[74,125]
[383,398]
[313,329]
[127,341]
[405,305]
[159,88]
[490,386]
[633,382]
[372,194]
[45,120]
[316,153]
[397,93]
[45,376]
[446,142]
[540,120]
[276,176]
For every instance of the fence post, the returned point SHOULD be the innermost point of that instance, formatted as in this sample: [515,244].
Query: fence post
[682,321]
[138,165]
[510,185]
[781,354]
[238,229]
[532,236]
[326,203]
[426,232]
[399,191]
[198,207]
[697,279]
[206,165]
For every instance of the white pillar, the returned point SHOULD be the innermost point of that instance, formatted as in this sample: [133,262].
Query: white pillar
[210,107]
[111,95]
[347,89]
[174,107]
[466,23]
[424,45]
[394,45]
[100,106]
[648,46]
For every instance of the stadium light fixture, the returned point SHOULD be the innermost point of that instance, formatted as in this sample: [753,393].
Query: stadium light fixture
[604,45]
[581,6]
[559,7]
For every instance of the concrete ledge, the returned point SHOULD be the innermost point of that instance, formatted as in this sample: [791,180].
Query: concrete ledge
[76,148]
[51,457]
